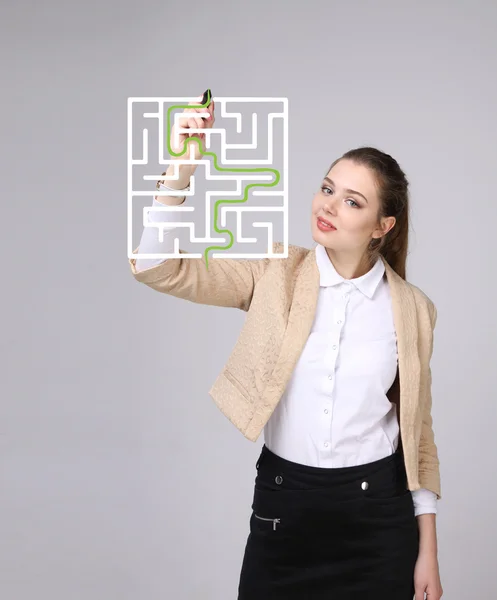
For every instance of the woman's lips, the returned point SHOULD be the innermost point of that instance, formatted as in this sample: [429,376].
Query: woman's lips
[323,227]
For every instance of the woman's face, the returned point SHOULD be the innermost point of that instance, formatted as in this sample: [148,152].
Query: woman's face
[348,199]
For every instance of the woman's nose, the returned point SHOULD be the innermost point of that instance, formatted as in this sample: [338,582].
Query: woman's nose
[329,206]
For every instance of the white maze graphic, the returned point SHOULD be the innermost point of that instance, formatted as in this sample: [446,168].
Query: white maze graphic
[242,176]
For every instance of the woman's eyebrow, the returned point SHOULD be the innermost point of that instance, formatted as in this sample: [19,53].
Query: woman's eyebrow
[347,190]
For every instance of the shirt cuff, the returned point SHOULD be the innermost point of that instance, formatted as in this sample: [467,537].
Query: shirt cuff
[425,501]
[168,221]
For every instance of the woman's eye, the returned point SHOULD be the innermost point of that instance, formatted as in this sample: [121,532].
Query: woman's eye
[353,201]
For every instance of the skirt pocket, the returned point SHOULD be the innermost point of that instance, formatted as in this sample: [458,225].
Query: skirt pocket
[398,496]
[396,508]
[272,520]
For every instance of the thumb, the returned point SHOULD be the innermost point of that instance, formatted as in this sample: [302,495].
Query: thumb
[420,594]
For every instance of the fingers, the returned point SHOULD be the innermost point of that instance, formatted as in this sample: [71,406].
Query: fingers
[200,122]
[209,109]
[194,123]
[188,121]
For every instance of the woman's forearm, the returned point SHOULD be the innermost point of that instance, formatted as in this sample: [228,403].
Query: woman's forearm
[427,533]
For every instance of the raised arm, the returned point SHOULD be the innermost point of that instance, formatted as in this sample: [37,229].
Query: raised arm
[228,282]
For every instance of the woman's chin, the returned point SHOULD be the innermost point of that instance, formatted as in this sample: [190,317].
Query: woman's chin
[321,237]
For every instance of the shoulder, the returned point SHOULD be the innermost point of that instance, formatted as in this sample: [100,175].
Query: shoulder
[287,266]
[424,302]
[295,254]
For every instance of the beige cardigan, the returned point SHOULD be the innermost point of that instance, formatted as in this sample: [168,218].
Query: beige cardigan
[280,296]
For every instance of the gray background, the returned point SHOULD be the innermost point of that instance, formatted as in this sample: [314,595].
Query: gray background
[119,477]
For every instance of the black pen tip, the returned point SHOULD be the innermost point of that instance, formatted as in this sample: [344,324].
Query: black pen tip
[207,97]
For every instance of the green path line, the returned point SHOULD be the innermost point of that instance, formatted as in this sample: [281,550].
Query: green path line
[204,153]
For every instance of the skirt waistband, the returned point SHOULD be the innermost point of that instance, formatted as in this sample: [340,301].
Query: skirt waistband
[385,476]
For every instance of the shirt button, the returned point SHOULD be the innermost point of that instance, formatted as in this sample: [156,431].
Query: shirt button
[325,411]
[326,444]
[278,479]
[338,322]
[330,376]
[334,347]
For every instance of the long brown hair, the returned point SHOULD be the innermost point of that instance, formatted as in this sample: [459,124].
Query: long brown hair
[392,185]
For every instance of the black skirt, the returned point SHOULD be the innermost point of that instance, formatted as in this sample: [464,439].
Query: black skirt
[342,533]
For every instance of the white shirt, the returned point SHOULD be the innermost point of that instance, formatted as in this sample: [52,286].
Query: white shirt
[334,411]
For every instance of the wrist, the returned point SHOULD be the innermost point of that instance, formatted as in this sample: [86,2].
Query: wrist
[428,550]
[182,173]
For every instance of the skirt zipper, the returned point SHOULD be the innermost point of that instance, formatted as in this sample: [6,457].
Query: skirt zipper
[266,519]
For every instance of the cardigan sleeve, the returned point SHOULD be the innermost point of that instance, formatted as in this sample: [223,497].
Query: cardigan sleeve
[226,282]
[429,464]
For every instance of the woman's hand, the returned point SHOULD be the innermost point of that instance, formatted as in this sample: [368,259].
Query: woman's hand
[427,577]
[189,120]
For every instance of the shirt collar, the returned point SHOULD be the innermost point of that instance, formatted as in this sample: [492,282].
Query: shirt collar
[328,275]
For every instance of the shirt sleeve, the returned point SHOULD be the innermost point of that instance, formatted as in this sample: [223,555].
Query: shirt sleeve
[150,243]
[425,501]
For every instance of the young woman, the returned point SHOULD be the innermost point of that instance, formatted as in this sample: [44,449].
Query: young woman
[333,364]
